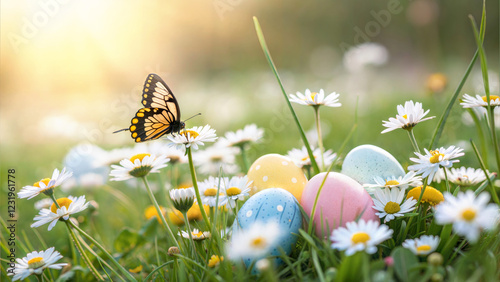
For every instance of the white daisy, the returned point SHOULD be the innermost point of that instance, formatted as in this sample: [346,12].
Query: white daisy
[400,182]
[466,176]
[208,190]
[389,203]
[193,137]
[360,236]
[237,189]
[480,101]
[301,158]
[157,148]
[213,158]
[258,240]
[429,164]
[34,263]
[407,118]
[422,246]
[68,206]
[316,98]
[249,134]
[468,214]
[196,234]
[45,185]
[139,165]
[183,198]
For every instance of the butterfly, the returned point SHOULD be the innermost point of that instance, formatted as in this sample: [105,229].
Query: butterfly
[160,115]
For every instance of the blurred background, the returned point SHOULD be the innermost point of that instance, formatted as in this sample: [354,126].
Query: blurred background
[72,71]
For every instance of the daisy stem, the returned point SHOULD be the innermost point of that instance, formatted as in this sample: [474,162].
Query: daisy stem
[447,182]
[267,54]
[320,137]
[494,136]
[186,220]
[158,210]
[413,140]
[244,158]
[196,190]
[110,257]
[82,252]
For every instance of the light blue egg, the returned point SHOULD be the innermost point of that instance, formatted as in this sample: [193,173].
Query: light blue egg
[365,162]
[272,205]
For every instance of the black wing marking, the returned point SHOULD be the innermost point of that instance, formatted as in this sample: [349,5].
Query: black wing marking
[150,124]
[156,94]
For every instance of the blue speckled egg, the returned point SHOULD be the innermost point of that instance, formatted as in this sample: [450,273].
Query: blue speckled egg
[272,205]
[365,162]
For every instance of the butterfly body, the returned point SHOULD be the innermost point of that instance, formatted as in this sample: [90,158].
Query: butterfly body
[160,115]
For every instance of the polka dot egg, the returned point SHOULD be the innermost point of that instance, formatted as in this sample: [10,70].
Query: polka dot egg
[272,205]
[365,162]
[275,170]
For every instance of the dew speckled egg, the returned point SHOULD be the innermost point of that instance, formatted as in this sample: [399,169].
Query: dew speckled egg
[273,170]
[341,200]
[365,162]
[272,205]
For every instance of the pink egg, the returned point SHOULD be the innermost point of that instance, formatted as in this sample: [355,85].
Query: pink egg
[341,200]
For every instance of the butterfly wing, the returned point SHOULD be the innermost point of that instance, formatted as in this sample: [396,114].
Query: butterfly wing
[160,115]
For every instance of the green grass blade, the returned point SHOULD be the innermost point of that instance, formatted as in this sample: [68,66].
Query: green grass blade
[263,44]
[492,188]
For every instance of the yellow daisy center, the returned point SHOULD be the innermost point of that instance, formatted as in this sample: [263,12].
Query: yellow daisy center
[139,157]
[210,192]
[469,214]
[258,243]
[423,248]
[391,182]
[431,195]
[360,237]
[36,262]
[198,234]
[313,94]
[492,98]
[405,116]
[62,202]
[392,207]
[436,157]
[151,211]
[45,181]
[215,260]
[192,133]
[233,191]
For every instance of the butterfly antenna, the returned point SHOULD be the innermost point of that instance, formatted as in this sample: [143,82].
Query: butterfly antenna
[198,114]
[125,129]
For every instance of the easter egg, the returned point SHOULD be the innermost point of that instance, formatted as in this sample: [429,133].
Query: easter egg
[341,200]
[273,170]
[365,162]
[274,205]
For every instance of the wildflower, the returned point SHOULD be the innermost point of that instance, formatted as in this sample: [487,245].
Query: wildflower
[211,189]
[215,261]
[431,195]
[151,212]
[193,213]
[176,155]
[249,134]
[183,199]
[436,82]
[45,185]
[301,158]
[193,137]
[316,99]
[213,158]
[400,182]
[480,101]
[422,246]
[360,56]
[407,118]
[196,234]
[359,236]
[466,176]
[389,203]
[67,207]
[139,165]
[429,164]
[172,251]
[255,242]
[237,189]
[35,262]
[468,214]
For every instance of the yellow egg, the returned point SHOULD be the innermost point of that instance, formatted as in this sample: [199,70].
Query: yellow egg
[277,171]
